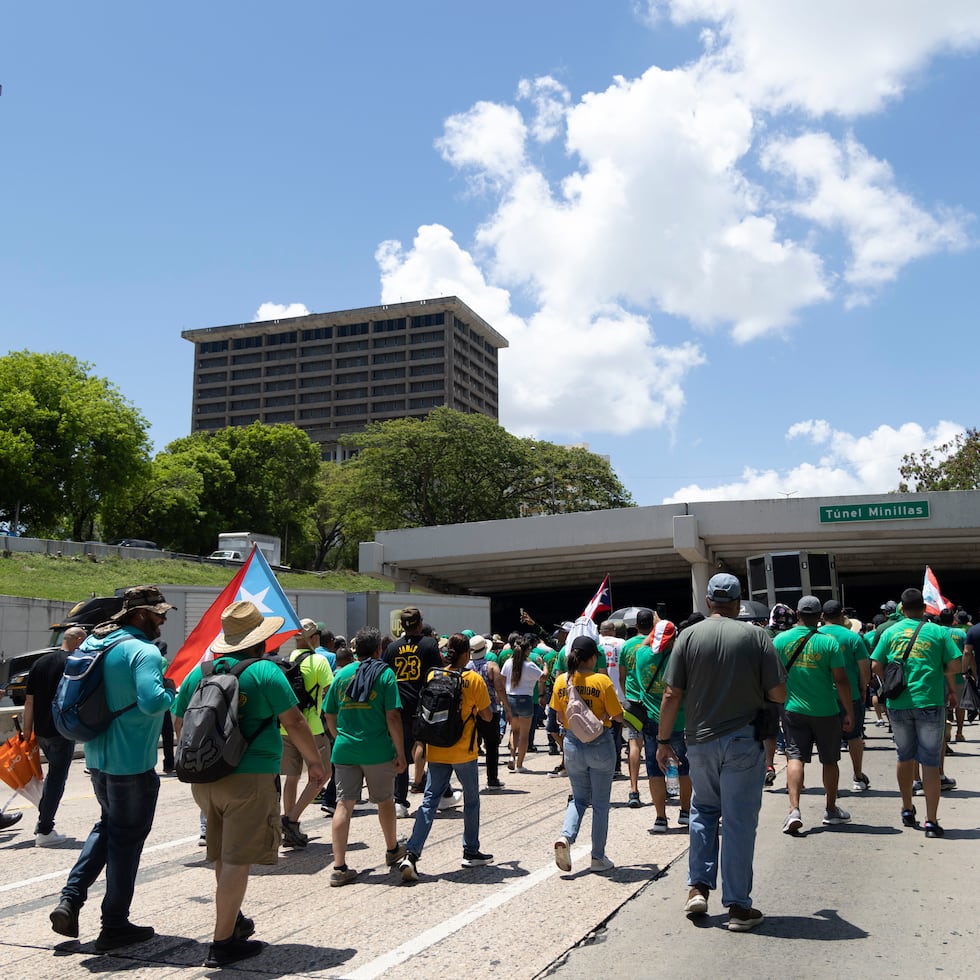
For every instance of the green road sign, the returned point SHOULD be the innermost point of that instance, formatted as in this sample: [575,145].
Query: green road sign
[913,510]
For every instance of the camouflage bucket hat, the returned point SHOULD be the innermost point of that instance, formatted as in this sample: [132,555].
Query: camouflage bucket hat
[143,597]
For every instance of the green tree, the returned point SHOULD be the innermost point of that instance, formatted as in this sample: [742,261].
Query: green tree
[955,465]
[70,444]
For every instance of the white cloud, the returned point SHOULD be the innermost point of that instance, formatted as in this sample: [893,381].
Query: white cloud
[487,140]
[279,311]
[848,464]
[550,100]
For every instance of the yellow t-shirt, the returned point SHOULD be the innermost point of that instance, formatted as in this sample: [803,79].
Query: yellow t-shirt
[595,689]
[476,697]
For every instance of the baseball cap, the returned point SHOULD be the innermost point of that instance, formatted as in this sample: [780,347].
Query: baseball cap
[724,587]
[809,605]
[832,608]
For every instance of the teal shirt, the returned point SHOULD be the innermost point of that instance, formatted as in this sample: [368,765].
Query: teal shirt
[926,663]
[133,671]
[646,664]
[854,649]
[810,688]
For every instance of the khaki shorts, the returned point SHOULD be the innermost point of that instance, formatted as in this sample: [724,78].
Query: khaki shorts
[380,781]
[292,762]
[242,811]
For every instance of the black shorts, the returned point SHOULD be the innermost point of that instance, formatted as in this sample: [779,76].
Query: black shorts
[804,731]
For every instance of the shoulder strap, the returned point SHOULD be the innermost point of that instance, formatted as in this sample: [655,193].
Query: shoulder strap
[663,659]
[798,649]
[908,649]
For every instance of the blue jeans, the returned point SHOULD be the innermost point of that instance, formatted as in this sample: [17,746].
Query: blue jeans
[115,843]
[918,734]
[436,784]
[727,775]
[590,767]
[58,751]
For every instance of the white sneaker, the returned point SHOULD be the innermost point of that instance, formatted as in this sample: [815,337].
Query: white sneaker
[448,802]
[563,854]
[835,816]
[402,811]
[52,839]
[601,864]
[793,821]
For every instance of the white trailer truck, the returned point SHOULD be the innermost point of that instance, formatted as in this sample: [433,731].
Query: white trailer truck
[242,541]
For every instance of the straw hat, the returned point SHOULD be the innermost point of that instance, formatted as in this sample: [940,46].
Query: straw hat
[243,626]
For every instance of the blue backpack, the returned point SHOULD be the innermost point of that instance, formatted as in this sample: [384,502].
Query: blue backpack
[80,711]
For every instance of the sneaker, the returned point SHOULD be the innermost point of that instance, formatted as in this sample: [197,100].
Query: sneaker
[114,937]
[202,841]
[601,865]
[244,927]
[697,900]
[793,823]
[402,811]
[9,819]
[495,787]
[684,818]
[659,826]
[742,920]
[454,799]
[395,855]
[860,784]
[908,818]
[523,769]
[563,855]
[947,782]
[532,748]
[231,951]
[342,876]
[557,771]
[634,802]
[51,839]
[770,775]
[917,787]
[511,765]
[475,859]
[64,919]
[407,867]
[292,836]
[327,811]
[933,829]
[833,817]
[416,788]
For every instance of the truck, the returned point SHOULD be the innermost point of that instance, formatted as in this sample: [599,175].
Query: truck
[242,541]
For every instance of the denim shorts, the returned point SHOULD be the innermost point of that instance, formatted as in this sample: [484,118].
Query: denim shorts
[678,743]
[918,734]
[521,705]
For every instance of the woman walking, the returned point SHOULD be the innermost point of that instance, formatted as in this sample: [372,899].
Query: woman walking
[520,675]
[589,764]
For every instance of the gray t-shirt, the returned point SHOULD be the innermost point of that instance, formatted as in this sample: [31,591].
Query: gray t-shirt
[724,668]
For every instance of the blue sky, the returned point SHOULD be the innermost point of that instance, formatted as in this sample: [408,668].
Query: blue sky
[733,244]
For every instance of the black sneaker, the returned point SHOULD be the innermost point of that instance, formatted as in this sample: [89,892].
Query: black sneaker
[933,829]
[474,859]
[908,818]
[231,951]
[64,919]
[114,937]
[557,771]
[407,867]
[292,836]
[244,927]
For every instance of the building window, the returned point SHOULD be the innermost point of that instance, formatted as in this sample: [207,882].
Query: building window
[212,377]
[428,402]
[288,384]
[314,367]
[308,397]
[281,354]
[346,410]
[349,394]
[429,320]
[389,406]
[419,370]
[348,362]
[352,329]
[246,373]
[250,389]
[390,357]
[318,350]
[382,374]
[278,370]
[317,333]
[241,420]
[351,378]
[244,403]
[273,417]
[426,386]
[349,345]
[388,326]
[428,337]
[314,413]
[426,353]
[395,389]
[212,347]
[388,340]
[246,343]
[277,339]
[246,358]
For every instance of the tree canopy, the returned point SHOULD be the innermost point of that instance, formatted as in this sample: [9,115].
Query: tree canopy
[955,465]
[69,444]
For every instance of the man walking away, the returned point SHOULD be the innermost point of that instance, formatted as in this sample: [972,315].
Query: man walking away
[122,761]
[363,714]
[42,685]
[726,670]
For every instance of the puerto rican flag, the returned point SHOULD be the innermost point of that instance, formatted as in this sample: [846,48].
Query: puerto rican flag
[600,602]
[935,601]
[255,583]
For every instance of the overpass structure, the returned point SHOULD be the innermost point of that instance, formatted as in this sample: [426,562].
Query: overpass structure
[871,536]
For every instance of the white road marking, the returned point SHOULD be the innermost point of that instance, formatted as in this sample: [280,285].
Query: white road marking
[23,883]
[397,956]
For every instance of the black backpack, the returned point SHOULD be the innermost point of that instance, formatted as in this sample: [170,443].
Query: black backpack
[294,675]
[439,715]
[211,744]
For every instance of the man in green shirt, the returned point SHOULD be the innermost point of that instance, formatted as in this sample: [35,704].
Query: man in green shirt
[815,681]
[633,691]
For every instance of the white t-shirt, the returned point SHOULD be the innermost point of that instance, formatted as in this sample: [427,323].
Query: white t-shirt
[612,645]
[530,673]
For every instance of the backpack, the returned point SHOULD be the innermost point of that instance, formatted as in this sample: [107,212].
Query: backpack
[294,675]
[439,714]
[480,667]
[79,710]
[579,717]
[211,744]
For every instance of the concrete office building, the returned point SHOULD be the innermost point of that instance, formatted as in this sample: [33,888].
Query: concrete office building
[332,373]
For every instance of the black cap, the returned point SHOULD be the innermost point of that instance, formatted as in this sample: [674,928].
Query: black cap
[586,645]
[832,608]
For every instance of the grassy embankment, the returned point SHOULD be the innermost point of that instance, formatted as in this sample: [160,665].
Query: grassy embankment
[70,579]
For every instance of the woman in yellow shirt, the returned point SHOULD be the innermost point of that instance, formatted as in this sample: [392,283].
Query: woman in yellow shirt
[589,765]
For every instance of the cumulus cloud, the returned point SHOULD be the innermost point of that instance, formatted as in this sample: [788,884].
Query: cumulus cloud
[279,311]
[693,192]
[848,463]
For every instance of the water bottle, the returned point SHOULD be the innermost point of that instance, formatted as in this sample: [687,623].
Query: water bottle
[673,780]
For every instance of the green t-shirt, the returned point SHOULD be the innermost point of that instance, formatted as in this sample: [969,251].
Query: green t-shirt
[633,690]
[646,663]
[362,726]
[549,655]
[810,688]
[263,692]
[854,649]
[925,666]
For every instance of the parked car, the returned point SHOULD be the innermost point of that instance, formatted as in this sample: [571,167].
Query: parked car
[87,614]
[225,556]
[138,543]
